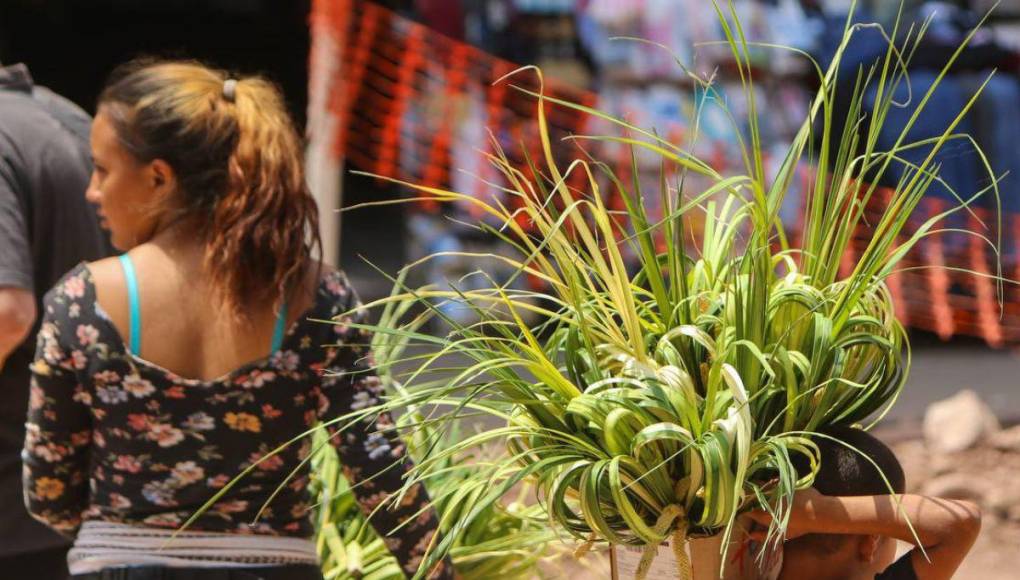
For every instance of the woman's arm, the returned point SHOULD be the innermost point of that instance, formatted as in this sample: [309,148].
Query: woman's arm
[373,455]
[59,427]
[945,528]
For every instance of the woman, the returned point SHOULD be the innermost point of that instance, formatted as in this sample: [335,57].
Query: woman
[162,374]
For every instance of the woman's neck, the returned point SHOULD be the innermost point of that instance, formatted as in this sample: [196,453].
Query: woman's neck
[180,243]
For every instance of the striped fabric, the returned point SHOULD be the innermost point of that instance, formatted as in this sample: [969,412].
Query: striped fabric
[105,545]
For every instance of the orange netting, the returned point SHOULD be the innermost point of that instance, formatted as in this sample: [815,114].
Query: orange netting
[409,103]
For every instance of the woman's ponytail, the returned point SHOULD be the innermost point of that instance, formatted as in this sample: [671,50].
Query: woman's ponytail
[238,162]
[266,213]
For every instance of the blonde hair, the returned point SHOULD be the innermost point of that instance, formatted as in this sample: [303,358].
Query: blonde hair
[238,164]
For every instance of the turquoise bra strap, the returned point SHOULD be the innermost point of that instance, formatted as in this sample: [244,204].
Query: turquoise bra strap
[135,324]
[281,328]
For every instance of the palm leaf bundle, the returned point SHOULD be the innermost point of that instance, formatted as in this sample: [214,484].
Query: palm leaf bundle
[660,401]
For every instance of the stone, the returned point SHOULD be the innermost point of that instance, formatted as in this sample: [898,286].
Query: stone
[958,486]
[1006,440]
[958,423]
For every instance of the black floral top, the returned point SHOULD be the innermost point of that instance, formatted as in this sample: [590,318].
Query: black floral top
[116,438]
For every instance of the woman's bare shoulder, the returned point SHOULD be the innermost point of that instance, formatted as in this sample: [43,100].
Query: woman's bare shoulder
[106,272]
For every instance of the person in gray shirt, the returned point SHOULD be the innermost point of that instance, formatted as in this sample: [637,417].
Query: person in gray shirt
[46,228]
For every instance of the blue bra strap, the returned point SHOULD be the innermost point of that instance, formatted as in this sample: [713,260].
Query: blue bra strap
[280,330]
[135,320]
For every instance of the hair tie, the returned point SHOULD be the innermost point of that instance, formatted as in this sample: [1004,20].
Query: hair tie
[230,89]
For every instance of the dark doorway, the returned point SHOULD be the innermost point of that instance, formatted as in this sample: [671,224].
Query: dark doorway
[71,45]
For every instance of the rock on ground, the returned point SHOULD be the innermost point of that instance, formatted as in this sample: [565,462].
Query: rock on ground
[958,423]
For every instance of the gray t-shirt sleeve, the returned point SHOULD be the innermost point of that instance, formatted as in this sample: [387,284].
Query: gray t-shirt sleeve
[15,249]
[73,227]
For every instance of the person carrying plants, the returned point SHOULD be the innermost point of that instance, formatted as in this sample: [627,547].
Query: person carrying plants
[163,374]
[847,524]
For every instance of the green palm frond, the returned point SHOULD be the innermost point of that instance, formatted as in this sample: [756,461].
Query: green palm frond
[505,541]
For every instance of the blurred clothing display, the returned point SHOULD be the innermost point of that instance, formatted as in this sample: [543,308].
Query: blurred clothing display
[993,121]
[439,106]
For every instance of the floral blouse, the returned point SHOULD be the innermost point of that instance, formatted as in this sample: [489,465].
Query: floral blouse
[113,437]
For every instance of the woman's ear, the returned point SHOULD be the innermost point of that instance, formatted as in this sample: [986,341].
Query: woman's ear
[162,178]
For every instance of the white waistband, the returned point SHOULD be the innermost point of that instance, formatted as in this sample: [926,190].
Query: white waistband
[106,544]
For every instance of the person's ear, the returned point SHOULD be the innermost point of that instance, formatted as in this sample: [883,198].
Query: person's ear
[867,548]
[162,178]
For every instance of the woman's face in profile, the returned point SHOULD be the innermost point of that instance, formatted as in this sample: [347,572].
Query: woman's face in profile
[124,188]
